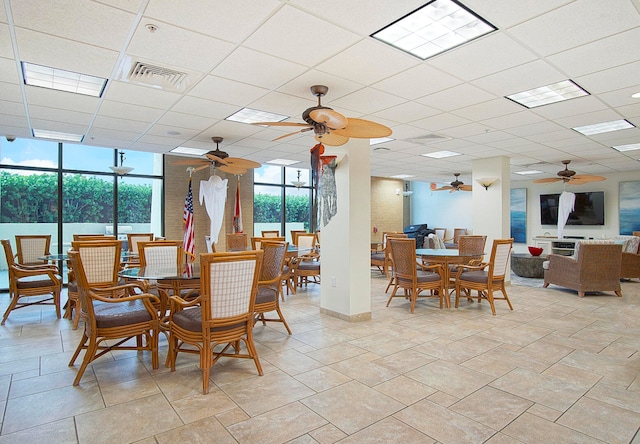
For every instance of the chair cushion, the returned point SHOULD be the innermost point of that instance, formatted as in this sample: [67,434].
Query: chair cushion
[545,265]
[191,320]
[474,276]
[309,266]
[121,313]
[423,276]
[266,293]
[35,282]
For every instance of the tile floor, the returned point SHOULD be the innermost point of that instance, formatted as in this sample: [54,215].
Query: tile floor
[557,369]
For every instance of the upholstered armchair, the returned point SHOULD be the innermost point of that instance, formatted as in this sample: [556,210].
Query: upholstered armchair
[630,267]
[594,267]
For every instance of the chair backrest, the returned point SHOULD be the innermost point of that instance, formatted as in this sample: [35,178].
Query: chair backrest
[101,261]
[134,238]
[237,242]
[272,261]
[386,234]
[294,236]
[78,237]
[270,233]
[499,258]
[8,252]
[164,253]
[31,247]
[228,287]
[457,232]
[256,241]
[403,251]
[441,233]
[472,244]
[307,241]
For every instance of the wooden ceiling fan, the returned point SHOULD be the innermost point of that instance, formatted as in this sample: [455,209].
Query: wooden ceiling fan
[220,160]
[329,126]
[456,185]
[570,177]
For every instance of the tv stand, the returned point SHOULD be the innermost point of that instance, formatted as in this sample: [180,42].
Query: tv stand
[553,245]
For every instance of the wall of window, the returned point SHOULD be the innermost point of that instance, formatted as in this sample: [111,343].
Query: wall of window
[62,189]
[278,204]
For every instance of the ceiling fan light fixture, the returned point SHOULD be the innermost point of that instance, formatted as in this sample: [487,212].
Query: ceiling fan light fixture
[121,170]
[486,182]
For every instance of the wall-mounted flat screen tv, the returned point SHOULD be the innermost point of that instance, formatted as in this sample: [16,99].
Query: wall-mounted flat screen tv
[587,210]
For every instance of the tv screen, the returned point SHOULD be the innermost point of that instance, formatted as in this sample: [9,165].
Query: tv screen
[587,210]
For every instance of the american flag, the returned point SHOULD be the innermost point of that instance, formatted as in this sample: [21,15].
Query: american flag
[187,218]
[237,214]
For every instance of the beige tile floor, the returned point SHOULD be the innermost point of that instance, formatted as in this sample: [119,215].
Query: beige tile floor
[557,369]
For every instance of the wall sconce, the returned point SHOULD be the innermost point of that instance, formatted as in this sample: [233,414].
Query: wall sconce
[486,182]
[407,192]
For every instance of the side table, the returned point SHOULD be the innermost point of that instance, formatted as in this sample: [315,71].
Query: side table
[525,265]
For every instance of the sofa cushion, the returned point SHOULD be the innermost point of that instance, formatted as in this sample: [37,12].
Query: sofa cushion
[590,241]
[631,245]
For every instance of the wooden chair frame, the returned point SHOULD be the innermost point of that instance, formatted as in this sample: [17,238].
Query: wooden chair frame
[270,282]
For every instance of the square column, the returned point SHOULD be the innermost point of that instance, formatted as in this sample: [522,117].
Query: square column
[346,239]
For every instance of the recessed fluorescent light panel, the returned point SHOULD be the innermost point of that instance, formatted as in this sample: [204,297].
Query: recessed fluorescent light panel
[434,28]
[248,115]
[401,176]
[284,162]
[441,154]
[61,80]
[632,147]
[380,140]
[605,127]
[527,172]
[55,135]
[186,150]
[544,95]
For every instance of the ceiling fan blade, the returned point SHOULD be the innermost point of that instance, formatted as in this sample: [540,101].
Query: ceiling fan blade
[202,167]
[573,181]
[588,178]
[329,117]
[465,187]
[445,188]
[281,124]
[190,162]
[547,180]
[364,129]
[216,159]
[232,169]
[237,162]
[291,134]
[332,139]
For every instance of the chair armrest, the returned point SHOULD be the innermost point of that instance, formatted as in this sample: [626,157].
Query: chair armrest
[50,271]
[437,268]
[95,296]
[469,267]
[178,304]
[128,288]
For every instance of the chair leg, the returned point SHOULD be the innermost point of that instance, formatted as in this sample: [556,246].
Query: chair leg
[251,349]
[56,302]
[205,366]
[284,321]
[89,355]
[81,346]
[12,305]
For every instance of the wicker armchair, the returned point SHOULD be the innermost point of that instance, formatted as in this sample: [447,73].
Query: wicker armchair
[594,267]
[630,267]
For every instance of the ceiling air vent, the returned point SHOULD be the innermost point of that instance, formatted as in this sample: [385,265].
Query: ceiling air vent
[150,74]
[430,138]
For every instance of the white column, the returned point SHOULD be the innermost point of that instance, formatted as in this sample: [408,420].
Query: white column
[346,239]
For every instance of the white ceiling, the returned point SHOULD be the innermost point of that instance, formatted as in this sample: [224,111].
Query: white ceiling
[266,54]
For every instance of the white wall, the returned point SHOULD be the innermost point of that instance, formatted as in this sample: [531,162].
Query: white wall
[453,210]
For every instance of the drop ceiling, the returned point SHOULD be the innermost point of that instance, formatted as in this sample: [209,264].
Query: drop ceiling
[266,54]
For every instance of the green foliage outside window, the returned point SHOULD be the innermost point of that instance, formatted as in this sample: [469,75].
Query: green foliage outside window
[34,199]
[267,208]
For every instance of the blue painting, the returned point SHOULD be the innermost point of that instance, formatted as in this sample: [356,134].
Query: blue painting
[519,215]
[629,207]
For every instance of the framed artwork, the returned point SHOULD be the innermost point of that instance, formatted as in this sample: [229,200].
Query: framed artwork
[629,207]
[519,215]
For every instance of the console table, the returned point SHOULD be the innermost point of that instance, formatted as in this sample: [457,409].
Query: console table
[554,245]
[525,265]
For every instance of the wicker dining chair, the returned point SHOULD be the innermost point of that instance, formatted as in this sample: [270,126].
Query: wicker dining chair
[237,241]
[112,315]
[413,278]
[29,281]
[469,245]
[32,246]
[222,316]
[270,233]
[270,282]
[257,240]
[486,278]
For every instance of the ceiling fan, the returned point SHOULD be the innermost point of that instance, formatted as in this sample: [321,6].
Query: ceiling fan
[220,160]
[329,126]
[570,177]
[456,185]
